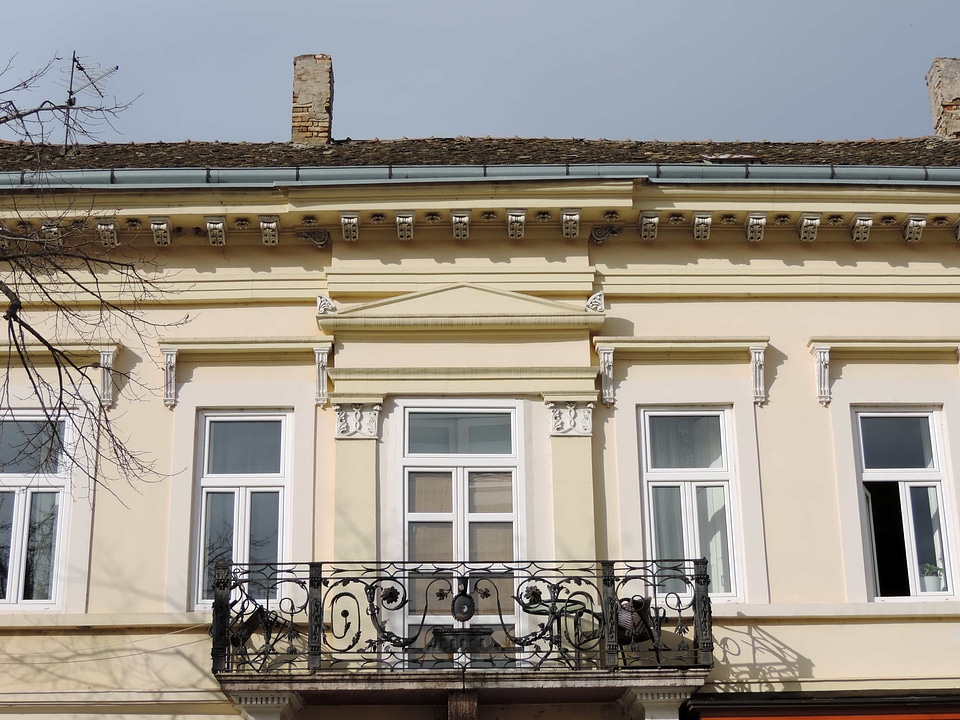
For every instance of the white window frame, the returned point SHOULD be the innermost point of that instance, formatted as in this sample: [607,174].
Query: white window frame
[242,486]
[461,465]
[905,479]
[25,486]
[688,480]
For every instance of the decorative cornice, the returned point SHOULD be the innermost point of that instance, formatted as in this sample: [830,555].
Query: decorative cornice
[357,421]
[913,228]
[493,321]
[649,222]
[860,228]
[701,226]
[515,223]
[160,227]
[808,226]
[754,226]
[553,382]
[461,224]
[270,229]
[216,230]
[107,230]
[571,418]
[350,226]
[404,224]
[570,222]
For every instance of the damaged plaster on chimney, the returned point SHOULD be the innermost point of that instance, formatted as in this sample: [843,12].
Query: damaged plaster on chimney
[943,83]
[312,99]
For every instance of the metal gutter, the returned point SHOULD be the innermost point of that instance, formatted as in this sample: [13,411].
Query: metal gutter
[675,173]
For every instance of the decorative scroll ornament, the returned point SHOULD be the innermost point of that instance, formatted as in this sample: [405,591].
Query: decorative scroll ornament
[600,233]
[888,221]
[821,356]
[676,219]
[432,218]
[611,216]
[570,223]
[321,355]
[488,217]
[756,222]
[461,224]
[357,420]
[170,378]
[270,229]
[860,228]
[781,220]
[571,418]
[318,238]
[808,226]
[835,220]
[107,230]
[132,224]
[378,219]
[728,220]
[241,224]
[350,226]
[756,372]
[160,227]
[607,393]
[309,221]
[515,223]
[701,226]
[543,217]
[107,390]
[405,225]
[216,231]
[595,303]
[325,306]
[649,223]
[913,228]
[50,231]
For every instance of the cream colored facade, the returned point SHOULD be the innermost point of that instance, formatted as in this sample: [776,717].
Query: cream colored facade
[784,302]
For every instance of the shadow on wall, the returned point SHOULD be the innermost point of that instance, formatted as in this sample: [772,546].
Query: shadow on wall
[753,660]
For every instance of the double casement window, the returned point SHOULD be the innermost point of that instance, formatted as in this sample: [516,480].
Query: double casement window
[33,475]
[243,480]
[461,476]
[688,476]
[901,466]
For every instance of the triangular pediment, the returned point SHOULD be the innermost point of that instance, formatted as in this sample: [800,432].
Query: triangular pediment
[465,305]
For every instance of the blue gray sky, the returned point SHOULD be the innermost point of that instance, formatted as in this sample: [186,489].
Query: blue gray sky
[615,69]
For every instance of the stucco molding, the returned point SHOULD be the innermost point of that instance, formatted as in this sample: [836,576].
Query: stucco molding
[821,359]
[571,418]
[358,419]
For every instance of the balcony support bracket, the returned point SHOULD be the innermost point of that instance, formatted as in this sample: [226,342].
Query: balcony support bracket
[268,706]
[663,704]
[462,705]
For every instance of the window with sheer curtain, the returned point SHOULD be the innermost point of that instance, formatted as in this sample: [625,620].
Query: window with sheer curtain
[33,477]
[902,474]
[242,483]
[687,478]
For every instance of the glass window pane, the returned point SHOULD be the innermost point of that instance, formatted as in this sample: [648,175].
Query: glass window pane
[244,447]
[490,492]
[30,446]
[430,492]
[667,523]
[430,541]
[217,536]
[712,534]
[264,527]
[896,442]
[460,433]
[929,538]
[41,546]
[685,441]
[6,538]
[491,541]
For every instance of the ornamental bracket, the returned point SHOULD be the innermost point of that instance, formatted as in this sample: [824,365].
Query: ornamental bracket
[757,374]
[821,356]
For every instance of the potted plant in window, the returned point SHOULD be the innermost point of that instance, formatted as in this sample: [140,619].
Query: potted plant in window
[930,575]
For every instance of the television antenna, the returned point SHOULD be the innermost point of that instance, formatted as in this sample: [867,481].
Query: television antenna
[86,77]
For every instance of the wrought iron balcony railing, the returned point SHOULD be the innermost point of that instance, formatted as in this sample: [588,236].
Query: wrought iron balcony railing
[406,616]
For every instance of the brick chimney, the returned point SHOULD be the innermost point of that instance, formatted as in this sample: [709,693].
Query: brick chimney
[312,99]
[943,83]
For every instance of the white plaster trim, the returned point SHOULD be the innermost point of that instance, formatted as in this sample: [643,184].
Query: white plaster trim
[821,356]
[913,228]
[515,223]
[571,418]
[808,226]
[357,420]
[700,226]
[860,227]
[461,224]
[270,229]
[756,222]
[404,224]
[216,230]
[107,230]
[570,222]
[649,223]
[757,374]
[170,377]
[321,354]
[350,226]
[160,227]
[608,394]
[107,389]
